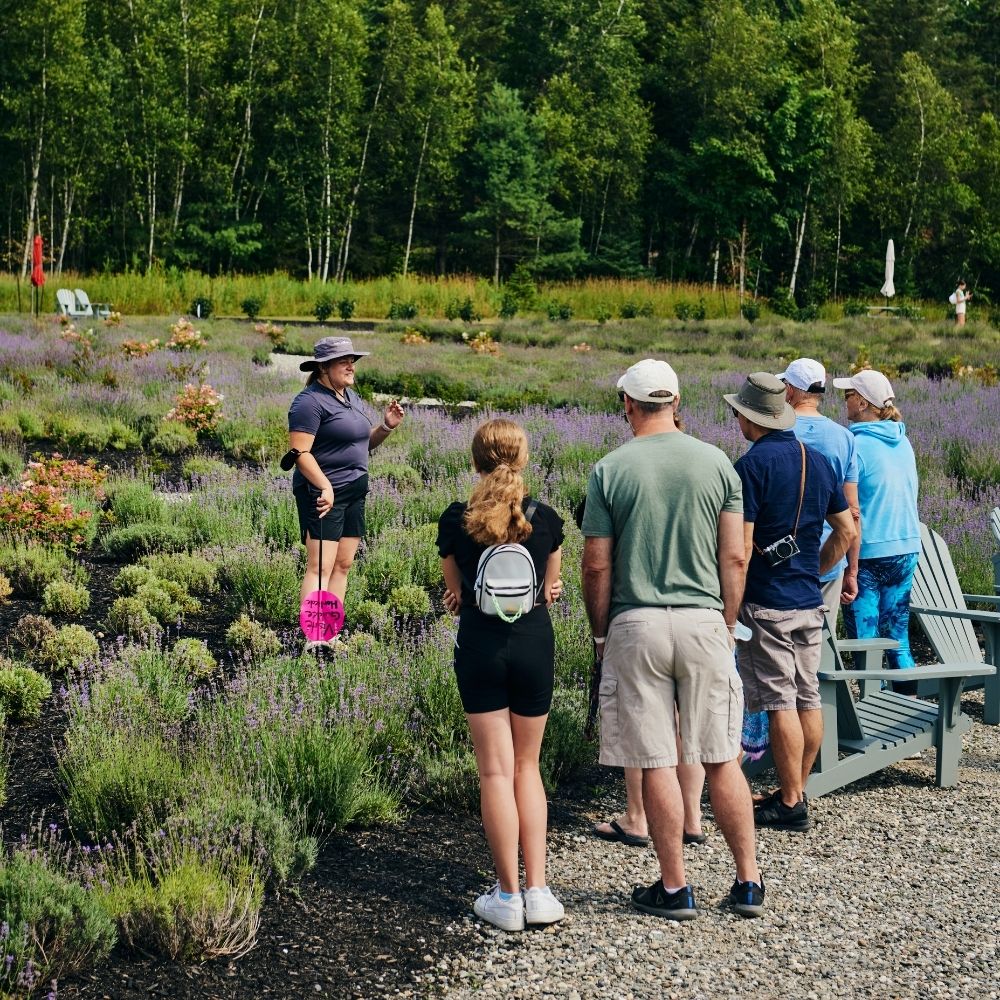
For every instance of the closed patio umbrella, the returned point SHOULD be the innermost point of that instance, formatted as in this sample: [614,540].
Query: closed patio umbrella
[37,274]
[889,289]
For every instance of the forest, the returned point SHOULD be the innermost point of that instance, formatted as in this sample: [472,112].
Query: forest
[770,145]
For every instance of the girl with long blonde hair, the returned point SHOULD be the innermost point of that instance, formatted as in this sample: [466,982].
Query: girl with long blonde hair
[505,670]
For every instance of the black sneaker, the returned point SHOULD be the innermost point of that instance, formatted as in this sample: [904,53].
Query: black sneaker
[747,898]
[778,816]
[672,905]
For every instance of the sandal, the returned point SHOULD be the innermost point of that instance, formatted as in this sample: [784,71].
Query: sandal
[620,835]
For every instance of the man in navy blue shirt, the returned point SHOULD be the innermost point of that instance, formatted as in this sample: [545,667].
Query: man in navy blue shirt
[789,491]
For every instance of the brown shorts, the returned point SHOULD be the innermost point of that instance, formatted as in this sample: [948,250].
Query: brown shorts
[780,662]
[654,659]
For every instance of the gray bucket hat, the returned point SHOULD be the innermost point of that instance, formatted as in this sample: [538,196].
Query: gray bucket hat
[329,349]
[761,400]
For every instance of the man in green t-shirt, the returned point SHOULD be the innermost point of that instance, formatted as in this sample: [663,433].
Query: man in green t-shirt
[663,567]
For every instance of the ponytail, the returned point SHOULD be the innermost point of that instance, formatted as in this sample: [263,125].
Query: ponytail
[889,412]
[494,514]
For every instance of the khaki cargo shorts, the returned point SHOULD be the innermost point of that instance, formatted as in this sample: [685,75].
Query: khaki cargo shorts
[779,664]
[654,659]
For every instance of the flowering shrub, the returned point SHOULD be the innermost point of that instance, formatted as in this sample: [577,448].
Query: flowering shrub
[30,633]
[274,332]
[52,925]
[139,348]
[184,337]
[113,318]
[198,407]
[193,658]
[42,512]
[83,343]
[582,347]
[251,640]
[66,473]
[414,337]
[483,343]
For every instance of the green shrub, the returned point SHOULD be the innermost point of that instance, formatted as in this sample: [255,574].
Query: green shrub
[252,640]
[264,581]
[323,309]
[629,309]
[22,692]
[129,617]
[201,467]
[31,568]
[136,540]
[202,307]
[855,308]
[252,307]
[193,572]
[345,308]
[30,634]
[193,658]
[166,601]
[750,310]
[371,616]
[508,305]
[173,438]
[53,926]
[116,775]
[134,501]
[559,310]
[410,601]
[11,463]
[68,647]
[402,310]
[131,578]
[564,749]
[449,780]
[63,597]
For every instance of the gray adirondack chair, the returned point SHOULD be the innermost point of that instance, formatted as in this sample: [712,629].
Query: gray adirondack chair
[942,610]
[100,309]
[67,304]
[863,735]
[995,525]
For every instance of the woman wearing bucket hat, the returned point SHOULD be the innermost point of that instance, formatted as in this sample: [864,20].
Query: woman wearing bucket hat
[890,542]
[329,438]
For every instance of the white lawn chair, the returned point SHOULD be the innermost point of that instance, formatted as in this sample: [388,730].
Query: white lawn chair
[101,309]
[67,304]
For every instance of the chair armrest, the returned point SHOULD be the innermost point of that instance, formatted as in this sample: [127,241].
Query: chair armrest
[984,598]
[916,674]
[866,645]
[985,617]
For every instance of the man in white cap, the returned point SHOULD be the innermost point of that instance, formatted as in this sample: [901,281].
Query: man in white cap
[663,566]
[788,492]
[805,386]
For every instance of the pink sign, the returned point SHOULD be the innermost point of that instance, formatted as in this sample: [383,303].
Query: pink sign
[321,616]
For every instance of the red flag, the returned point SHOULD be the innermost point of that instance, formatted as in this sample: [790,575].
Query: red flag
[37,272]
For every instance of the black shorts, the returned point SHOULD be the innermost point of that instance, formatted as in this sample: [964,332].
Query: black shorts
[505,666]
[346,519]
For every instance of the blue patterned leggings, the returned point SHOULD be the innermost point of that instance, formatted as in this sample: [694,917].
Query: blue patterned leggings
[882,607]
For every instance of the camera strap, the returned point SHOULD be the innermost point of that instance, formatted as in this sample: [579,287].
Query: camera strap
[802,493]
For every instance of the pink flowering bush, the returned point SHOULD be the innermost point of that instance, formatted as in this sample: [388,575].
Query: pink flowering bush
[139,348]
[198,407]
[66,474]
[184,337]
[43,513]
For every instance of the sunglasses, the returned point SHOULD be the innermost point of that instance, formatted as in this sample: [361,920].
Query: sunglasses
[621,395]
[849,394]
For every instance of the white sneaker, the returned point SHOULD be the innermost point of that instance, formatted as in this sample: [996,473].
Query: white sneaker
[541,907]
[507,914]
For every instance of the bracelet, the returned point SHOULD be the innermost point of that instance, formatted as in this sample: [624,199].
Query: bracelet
[600,639]
[385,427]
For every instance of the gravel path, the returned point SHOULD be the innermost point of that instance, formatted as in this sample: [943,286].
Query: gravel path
[893,893]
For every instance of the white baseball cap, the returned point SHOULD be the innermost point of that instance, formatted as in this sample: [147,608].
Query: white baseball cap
[872,385]
[650,381]
[805,374]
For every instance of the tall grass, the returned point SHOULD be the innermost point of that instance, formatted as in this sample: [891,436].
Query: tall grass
[166,291]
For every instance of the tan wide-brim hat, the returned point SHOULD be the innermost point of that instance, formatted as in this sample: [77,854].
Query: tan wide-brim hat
[761,400]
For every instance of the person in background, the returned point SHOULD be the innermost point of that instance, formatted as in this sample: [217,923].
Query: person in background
[887,491]
[330,438]
[663,567]
[958,299]
[505,670]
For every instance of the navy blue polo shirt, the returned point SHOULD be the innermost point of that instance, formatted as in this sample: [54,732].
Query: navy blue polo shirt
[341,430]
[771,471]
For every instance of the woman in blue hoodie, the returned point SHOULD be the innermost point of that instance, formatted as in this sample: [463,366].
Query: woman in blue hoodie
[890,537]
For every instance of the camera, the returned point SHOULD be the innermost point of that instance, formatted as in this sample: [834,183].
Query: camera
[780,551]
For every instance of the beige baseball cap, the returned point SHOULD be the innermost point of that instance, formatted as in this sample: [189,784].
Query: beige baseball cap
[870,384]
[650,381]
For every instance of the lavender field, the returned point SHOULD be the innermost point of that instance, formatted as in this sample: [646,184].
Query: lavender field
[148,603]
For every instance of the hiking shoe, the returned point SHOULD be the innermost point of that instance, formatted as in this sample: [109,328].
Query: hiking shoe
[778,816]
[541,907]
[655,899]
[747,898]
[507,914]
